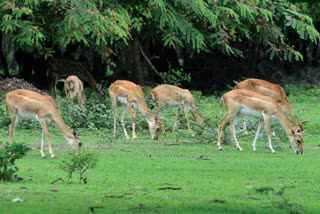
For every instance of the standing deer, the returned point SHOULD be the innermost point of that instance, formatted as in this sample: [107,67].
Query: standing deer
[74,87]
[62,68]
[173,96]
[25,104]
[131,98]
[242,102]
[275,91]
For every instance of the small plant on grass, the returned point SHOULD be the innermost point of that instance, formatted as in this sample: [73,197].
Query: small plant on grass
[79,164]
[8,156]
[280,201]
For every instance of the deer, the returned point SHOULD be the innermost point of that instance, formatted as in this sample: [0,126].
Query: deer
[74,87]
[26,104]
[242,102]
[62,68]
[275,91]
[131,98]
[174,96]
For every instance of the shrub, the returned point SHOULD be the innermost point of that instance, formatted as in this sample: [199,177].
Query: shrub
[8,155]
[79,163]
[176,76]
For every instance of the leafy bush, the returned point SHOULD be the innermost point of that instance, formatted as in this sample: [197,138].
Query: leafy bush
[79,164]
[176,76]
[4,116]
[8,155]
[99,116]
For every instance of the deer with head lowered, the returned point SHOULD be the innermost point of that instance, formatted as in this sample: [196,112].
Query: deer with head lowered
[25,104]
[62,68]
[275,91]
[74,87]
[242,102]
[131,97]
[173,96]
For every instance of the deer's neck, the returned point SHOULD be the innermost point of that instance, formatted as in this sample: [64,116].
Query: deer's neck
[284,122]
[62,127]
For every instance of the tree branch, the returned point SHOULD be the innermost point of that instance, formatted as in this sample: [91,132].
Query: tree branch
[151,65]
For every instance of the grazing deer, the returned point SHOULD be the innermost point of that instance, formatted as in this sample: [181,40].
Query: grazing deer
[242,102]
[131,98]
[62,68]
[275,91]
[173,96]
[25,104]
[74,87]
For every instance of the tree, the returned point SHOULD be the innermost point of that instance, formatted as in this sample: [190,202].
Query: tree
[108,28]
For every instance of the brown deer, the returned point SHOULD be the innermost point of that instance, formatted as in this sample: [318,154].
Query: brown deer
[62,68]
[242,102]
[131,97]
[74,87]
[275,91]
[25,104]
[173,96]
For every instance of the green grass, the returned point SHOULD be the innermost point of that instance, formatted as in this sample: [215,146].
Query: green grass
[165,177]
[178,174]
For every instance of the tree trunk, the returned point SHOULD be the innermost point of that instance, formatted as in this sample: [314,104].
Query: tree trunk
[137,60]
[4,64]
[7,54]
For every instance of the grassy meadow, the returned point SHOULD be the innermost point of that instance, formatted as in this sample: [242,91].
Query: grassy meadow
[177,174]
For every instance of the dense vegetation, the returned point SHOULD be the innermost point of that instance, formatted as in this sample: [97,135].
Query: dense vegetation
[142,41]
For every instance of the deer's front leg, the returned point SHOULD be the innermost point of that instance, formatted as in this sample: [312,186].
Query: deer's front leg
[114,111]
[176,120]
[257,134]
[266,118]
[123,111]
[133,118]
[43,155]
[186,114]
[232,126]
[72,96]
[14,122]
[45,132]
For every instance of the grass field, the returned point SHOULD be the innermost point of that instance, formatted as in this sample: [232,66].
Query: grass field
[177,174]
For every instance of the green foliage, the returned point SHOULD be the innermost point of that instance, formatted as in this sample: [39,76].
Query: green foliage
[4,117]
[176,77]
[100,115]
[92,116]
[79,163]
[196,25]
[8,156]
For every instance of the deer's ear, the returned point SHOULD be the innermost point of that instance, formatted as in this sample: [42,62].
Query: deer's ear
[304,122]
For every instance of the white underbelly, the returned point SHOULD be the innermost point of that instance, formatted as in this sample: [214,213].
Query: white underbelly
[122,100]
[31,116]
[27,115]
[250,112]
